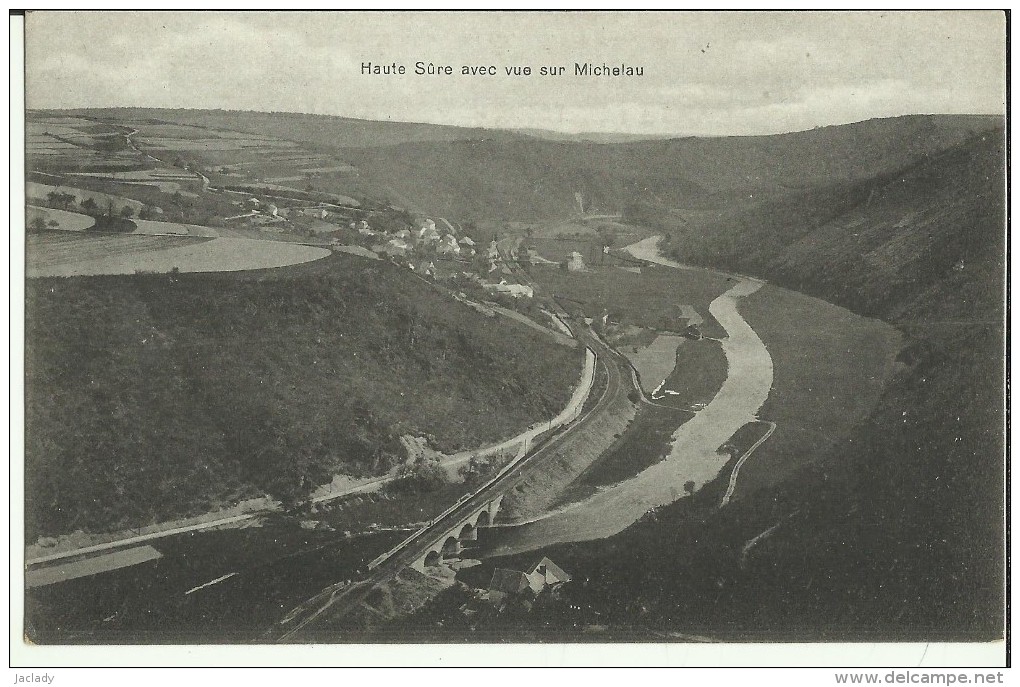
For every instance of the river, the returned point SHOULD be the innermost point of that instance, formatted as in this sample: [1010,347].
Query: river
[693,454]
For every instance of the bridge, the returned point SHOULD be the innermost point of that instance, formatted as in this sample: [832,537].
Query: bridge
[449,545]
[444,538]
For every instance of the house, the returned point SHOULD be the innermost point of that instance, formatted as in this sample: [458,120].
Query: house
[404,235]
[395,247]
[576,262]
[448,246]
[506,583]
[515,290]
[466,241]
[545,574]
[254,202]
[319,213]
[493,250]
[425,268]
[273,210]
[428,235]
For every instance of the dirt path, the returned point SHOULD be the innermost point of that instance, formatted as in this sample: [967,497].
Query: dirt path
[693,454]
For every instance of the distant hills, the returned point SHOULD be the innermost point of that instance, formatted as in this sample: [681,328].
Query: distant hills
[472,173]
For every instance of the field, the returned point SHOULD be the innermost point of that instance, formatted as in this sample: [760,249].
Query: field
[654,362]
[65,221]
[94,255]
[651,299]
[699,372]
[34,190]
[151,398]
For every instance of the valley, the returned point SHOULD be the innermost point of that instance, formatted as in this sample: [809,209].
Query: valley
[293,354]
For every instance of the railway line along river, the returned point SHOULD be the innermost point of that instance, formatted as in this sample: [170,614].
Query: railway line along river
[693,454]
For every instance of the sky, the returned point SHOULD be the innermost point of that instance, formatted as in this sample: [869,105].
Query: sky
[705,73]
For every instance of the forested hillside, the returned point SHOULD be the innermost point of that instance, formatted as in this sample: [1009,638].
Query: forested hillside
[150,397]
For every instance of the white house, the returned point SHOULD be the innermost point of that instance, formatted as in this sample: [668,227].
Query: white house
[515,290]
[544,574]
[448,245]
[576,262]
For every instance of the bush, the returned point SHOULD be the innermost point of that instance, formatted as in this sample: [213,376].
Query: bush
[423,475]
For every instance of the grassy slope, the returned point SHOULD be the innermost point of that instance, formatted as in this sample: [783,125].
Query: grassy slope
[149,398]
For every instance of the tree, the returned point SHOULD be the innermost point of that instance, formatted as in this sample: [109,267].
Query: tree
[60,200]
[37,224]
[126,211]
[423,475]
[90,207]
[689,487]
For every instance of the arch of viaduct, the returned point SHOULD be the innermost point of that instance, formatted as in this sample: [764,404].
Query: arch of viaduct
[450,544]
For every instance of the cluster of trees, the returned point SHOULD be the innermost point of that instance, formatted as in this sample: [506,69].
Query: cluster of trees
[90,207]
[422,475]
[39,223]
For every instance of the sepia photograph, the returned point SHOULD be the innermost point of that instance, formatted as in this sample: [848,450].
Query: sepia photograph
[485,328]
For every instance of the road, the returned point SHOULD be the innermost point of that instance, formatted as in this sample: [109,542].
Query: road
[731,487]
[335,601]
